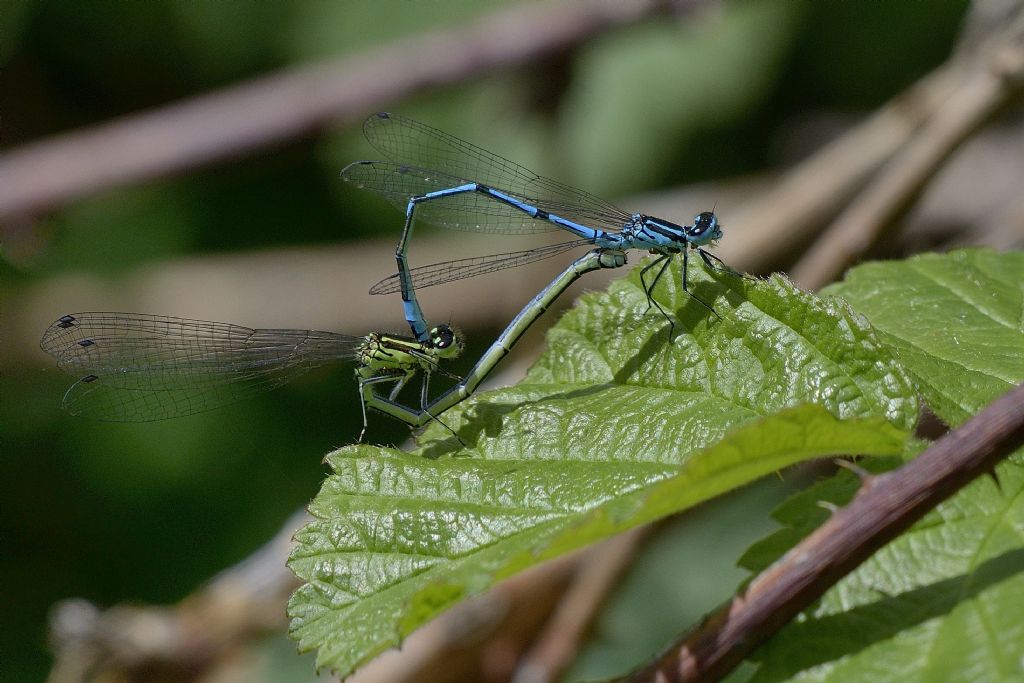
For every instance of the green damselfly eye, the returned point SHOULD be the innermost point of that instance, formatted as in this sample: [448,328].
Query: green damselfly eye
[442,337]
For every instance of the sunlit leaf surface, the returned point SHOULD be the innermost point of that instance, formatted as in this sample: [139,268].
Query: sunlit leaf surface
[613,427]
[940,603]
[956,320]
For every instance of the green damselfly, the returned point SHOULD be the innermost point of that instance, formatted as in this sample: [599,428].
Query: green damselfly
[139,367]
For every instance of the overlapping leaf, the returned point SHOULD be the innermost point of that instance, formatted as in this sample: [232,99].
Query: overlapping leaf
[956,321]
[942,602]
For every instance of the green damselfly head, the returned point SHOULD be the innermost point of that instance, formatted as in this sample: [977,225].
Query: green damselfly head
[446,341]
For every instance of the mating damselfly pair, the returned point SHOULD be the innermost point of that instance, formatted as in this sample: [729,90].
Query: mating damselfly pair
[135,367]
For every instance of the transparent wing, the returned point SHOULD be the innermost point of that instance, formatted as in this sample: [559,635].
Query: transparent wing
[137,367]
[467,212]
[415,144]
[449,271]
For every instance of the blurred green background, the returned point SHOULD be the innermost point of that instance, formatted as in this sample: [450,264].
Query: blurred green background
[145,513]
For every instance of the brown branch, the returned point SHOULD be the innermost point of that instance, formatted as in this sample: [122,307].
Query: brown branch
[884,507]
[988,84]
[244,118]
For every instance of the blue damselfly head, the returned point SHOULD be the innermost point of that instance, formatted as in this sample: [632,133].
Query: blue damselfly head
[705,229]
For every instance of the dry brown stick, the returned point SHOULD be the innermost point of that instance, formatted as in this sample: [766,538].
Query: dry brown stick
[202,634]
[806,197]
[559,642]
[253,115]
[478,639]
[989,83]
[241,603]
[884,507]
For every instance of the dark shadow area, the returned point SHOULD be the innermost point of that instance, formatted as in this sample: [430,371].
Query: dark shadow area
[688,316]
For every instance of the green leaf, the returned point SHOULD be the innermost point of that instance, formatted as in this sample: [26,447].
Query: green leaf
[399,537]
[956,321]
[614,427]
[802,513]
[940,603]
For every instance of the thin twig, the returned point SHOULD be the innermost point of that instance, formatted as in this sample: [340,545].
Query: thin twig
[239,604]
[194,639]
[884,507]
[808,196]
[478,639]
[987,85]
[198,637]
[559,642]
[293,103]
